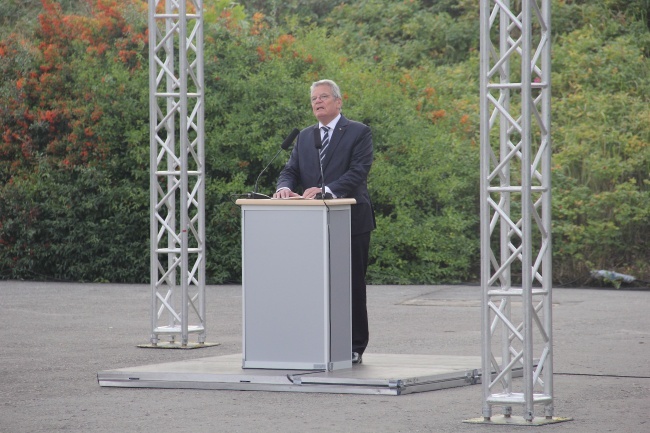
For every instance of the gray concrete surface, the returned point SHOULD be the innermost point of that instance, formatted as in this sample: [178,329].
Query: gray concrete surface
[56,337]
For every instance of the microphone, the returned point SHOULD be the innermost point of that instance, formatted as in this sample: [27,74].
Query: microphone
[319,144]
[284,146]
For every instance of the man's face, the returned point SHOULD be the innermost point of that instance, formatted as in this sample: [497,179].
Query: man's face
[325,106]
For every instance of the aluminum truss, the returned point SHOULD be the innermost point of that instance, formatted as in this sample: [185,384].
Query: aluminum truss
[177,181]
[515,211]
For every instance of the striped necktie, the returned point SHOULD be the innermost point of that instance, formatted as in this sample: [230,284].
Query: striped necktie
[325,142]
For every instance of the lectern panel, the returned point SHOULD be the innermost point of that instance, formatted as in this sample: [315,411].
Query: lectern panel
[340,282]
[284,280]
[296,286]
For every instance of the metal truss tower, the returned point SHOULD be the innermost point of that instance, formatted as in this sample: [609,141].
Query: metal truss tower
[177,183]
[516,273]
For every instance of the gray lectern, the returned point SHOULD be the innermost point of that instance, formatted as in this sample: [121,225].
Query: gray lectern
[296,284]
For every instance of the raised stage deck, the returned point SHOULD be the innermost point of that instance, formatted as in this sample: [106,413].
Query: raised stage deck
[385,374]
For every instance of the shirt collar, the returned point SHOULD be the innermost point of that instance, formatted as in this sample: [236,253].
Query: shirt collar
[332,124]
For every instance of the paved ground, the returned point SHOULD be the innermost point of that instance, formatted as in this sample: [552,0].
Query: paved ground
[56,337]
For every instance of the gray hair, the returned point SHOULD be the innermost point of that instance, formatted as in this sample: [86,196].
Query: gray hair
[334,88]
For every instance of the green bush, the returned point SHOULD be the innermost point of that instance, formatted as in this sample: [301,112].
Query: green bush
[75,225]
[74,157]
[602,154]
[74,150]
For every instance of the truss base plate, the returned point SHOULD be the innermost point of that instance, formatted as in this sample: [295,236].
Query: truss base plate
[517,420]
[383,374]
[176,345]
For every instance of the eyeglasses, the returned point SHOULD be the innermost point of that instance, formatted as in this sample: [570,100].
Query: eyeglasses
[324,97]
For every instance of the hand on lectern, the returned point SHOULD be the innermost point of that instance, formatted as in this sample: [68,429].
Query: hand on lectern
[311,192]
[285,193]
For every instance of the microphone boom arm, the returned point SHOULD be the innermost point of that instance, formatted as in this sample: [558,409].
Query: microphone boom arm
[285,145]
[265,168]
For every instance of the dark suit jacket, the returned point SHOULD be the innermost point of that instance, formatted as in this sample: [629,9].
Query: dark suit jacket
[345,168]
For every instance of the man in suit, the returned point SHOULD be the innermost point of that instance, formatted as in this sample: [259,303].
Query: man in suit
[346,157]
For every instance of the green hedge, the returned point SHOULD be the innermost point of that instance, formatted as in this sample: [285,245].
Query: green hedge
[74,190]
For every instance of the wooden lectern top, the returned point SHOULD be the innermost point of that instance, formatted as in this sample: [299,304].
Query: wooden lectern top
[295,202]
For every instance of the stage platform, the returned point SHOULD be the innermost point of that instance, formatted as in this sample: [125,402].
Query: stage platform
[382,374]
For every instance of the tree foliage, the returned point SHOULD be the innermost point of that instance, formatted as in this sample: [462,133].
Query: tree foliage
[75,130]
[73,168]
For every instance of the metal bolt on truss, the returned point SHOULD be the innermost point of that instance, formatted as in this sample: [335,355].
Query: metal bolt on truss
[516,274]
[177,180]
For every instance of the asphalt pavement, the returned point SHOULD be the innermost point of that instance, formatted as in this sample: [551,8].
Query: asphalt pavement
[57,336]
